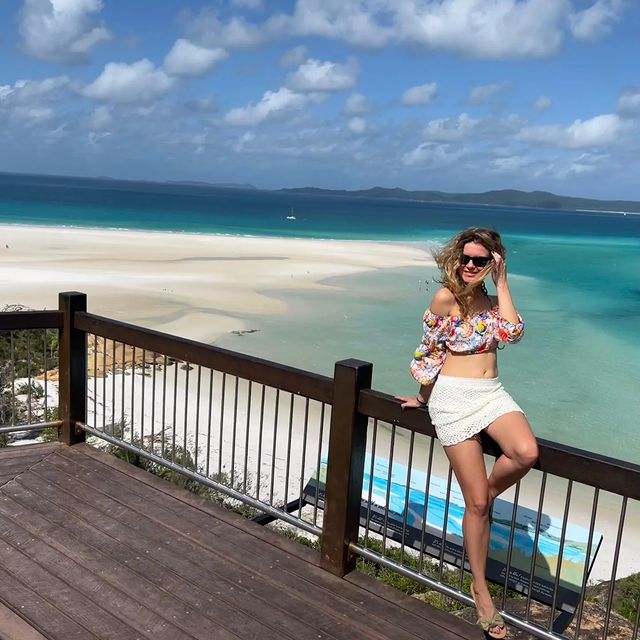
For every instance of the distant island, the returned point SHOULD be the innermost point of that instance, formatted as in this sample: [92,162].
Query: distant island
[214,185]
[503,197]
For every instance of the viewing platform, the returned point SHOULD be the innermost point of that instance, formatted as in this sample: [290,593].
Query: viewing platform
[96,543]
[93,547]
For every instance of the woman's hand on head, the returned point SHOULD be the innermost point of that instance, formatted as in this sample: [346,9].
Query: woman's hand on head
[499,271]
[410,402]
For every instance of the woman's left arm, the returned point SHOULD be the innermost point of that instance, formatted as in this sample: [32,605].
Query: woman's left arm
[505,302]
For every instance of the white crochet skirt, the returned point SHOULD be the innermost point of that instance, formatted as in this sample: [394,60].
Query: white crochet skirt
[462,407]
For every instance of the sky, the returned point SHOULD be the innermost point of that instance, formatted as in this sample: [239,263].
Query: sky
[448,95]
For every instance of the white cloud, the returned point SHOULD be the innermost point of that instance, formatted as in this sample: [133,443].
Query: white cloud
[510,164]
[33,115]
[293,57]
[629,102]
[28,91]
[357,125]
[595,21]
[430,154]
[101,118]
[356,105]
[598,131]
[542,103]
[138,82]
[274,105]
[94,137]
[314,75]
[497,29]
[188,59]
[482,93]
[449,129]
[247,4]
[419,95]
[61,31]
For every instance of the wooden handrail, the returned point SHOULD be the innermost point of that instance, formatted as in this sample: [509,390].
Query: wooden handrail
[280,376]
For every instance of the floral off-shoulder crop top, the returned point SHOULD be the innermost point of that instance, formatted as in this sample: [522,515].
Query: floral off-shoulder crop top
[476,334]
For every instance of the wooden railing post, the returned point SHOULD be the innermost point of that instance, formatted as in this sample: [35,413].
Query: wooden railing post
[72,386]
[345,467]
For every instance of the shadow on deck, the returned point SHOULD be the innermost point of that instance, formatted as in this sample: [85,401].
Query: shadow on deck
[92,547]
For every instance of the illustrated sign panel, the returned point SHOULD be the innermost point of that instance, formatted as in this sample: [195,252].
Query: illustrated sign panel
[422,524]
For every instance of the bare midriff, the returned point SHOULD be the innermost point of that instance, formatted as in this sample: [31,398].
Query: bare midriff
[471,365]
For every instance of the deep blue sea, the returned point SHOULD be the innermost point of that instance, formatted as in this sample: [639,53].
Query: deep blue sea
[575,277]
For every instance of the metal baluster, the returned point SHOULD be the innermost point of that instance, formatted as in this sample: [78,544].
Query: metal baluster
[614,570]
[13,378]
[104,384]
[234,431]
[407,492]
[197,435]
[445,523]
[260,435]
[209,418]
[534,553]
[507,569]
[371,470]
[273,452]
[29,382]
[246,439]
[220,443]
[153,403]
[114,366]
[388,492]
[164,406]
[425,513]
[187,367]
[587,562]
[304,454]
[175,411]
[288,463]
[133,390]
[144,376]
[563,535]
[46,375]
[319,463]
[122,418]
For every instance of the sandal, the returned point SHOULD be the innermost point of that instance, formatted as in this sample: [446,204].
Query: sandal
[487,624]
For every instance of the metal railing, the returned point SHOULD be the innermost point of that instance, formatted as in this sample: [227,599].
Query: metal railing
[336,460]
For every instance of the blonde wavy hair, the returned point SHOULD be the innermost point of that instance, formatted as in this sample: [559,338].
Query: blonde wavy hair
[449,262]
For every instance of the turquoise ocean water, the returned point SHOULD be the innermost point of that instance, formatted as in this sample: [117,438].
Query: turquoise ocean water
[575,277]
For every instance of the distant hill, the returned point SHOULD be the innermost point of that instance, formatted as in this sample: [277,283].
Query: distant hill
[503,197]
[214,185]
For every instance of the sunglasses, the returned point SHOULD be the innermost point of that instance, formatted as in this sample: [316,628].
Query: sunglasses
[478,261]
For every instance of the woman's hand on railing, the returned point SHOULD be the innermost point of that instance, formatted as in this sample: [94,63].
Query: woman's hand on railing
[410,402]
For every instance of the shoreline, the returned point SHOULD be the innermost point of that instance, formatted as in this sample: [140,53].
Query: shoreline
[196,285]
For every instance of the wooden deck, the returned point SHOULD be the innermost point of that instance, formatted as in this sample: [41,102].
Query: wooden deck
[91,547]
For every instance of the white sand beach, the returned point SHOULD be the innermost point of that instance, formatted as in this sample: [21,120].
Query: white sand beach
[194,285]
[201,287]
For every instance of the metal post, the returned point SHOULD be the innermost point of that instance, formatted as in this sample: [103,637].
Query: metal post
[345,467]
[73,369]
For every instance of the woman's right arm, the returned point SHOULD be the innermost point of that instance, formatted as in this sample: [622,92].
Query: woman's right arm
[431,353]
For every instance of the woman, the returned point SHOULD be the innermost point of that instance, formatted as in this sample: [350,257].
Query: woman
[456,365]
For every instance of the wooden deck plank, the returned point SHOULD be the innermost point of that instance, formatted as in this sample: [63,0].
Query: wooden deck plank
[56,591]
[115,571]
[412,622]
[13,627]
[40,614]
[128,547]
[212,560]
[327,596]
[87,533]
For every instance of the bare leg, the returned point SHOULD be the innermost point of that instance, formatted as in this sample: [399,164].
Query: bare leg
[513,434]
[467,462]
